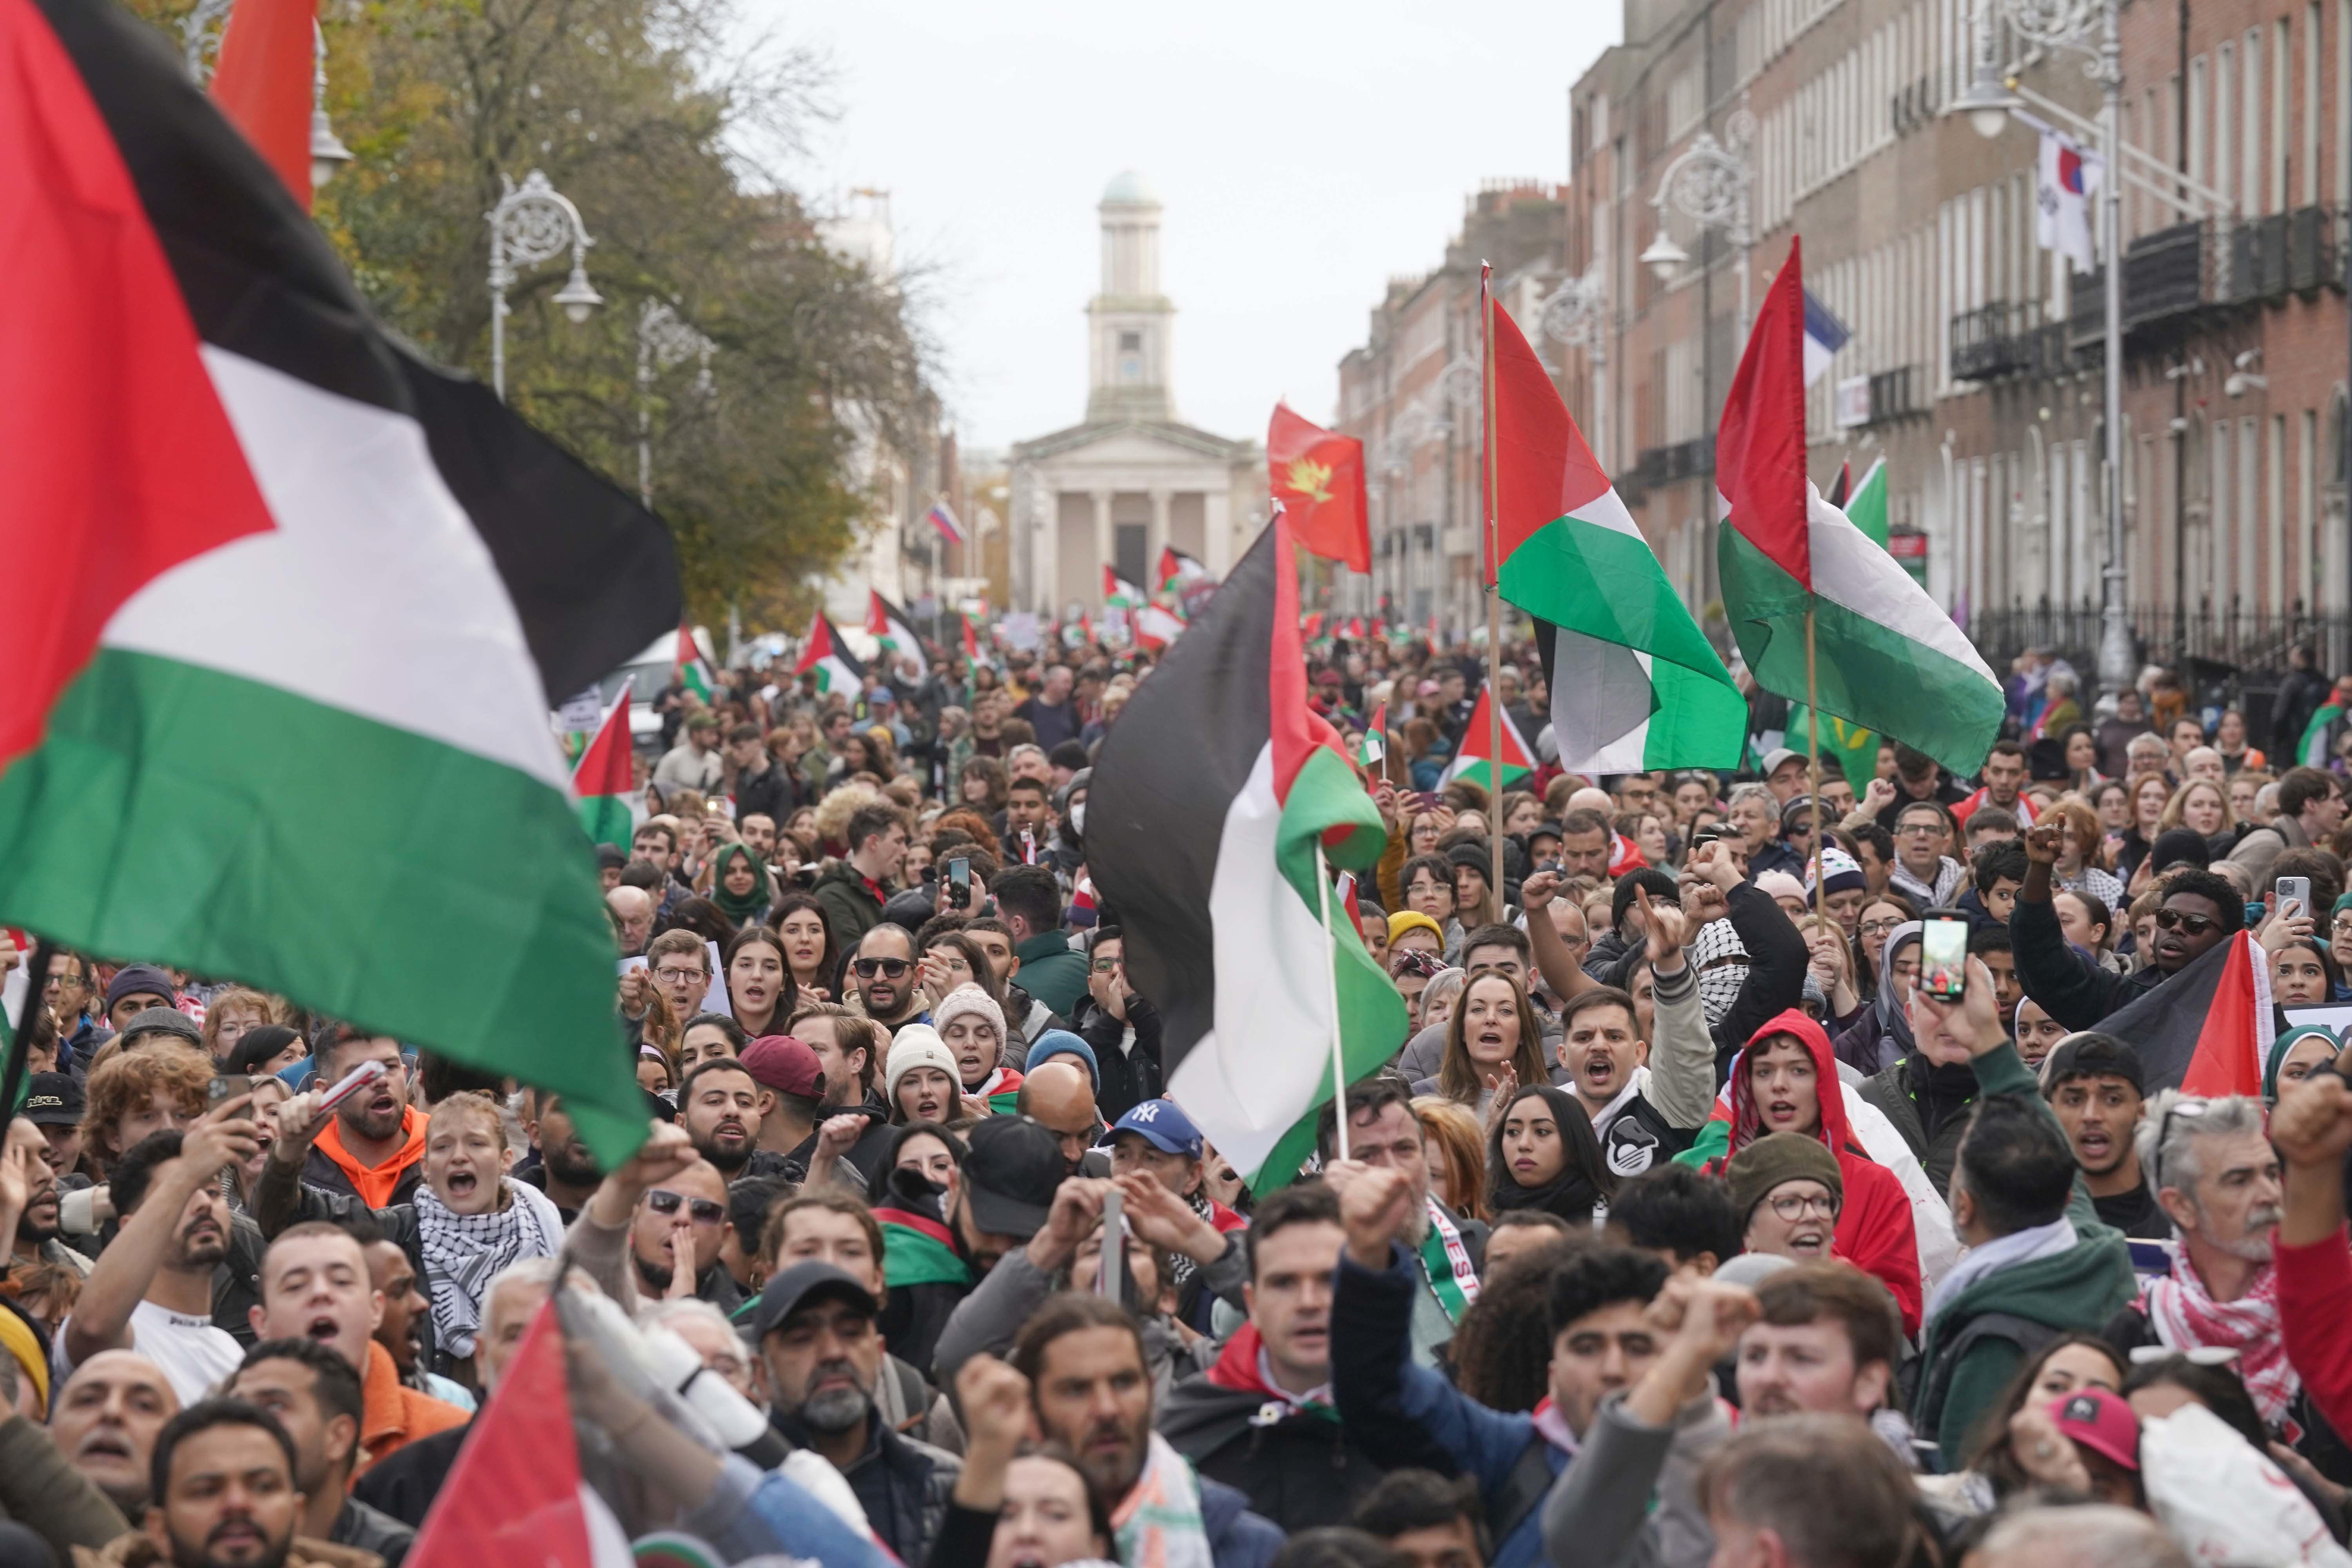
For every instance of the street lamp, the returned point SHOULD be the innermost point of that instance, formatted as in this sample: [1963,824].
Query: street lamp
[1708,183]
[1577,314]
[328,153]
[2090,29]
[664,342]
[532,223]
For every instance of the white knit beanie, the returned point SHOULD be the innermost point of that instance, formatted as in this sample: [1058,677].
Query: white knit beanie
[964,999]
[916,1045]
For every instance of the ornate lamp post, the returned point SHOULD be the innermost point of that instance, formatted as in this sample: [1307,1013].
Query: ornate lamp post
[1710,183]
[532,223]
[1577,314]
[663,342]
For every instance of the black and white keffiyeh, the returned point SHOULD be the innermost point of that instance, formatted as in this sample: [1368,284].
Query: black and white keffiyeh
[463,1252]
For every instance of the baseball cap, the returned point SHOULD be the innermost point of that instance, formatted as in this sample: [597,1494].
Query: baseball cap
[163,1021]
[803,1283]
[785,1065]
[1162,1124]
[137,980]
[2100,1421]
[1010,1175]
[2089,1053]
[1778,755]
[53,1099]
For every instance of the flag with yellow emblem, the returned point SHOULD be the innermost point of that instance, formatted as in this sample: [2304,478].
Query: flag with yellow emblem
[1319,477]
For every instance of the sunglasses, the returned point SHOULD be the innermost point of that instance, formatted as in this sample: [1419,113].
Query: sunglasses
[2177,920]
[702,1211]
[868,968]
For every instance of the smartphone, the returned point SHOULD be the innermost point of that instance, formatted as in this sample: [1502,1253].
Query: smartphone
[958,882]
[227,1086]
[1944,959]
[2295,891]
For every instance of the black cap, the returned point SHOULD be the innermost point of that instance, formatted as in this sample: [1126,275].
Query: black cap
[163,1021]
[802,1284]
[2089,1053]
[53,1099]
[1010,1175]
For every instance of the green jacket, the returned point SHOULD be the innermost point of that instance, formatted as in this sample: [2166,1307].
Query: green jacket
[850,910]
[1962,1373]
[1052,971]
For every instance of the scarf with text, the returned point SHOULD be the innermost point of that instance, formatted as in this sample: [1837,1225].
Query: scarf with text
[1452,1278]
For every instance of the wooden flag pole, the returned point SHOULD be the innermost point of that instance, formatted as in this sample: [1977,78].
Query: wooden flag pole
[1331,981]
[1813,766]
[1494,588]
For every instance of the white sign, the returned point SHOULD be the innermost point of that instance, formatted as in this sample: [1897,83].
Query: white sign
[1851,406]
[1021,630]
[580,714]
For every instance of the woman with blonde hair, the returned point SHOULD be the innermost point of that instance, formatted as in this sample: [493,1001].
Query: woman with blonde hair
[1456,1148]
[234,1011]
[2202,806]
[832,813]
[2146,796]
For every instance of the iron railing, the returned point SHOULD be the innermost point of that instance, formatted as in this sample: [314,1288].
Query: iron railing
[2229,640]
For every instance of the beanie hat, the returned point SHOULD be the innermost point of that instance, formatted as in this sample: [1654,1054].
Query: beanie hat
[1841,872]
[1775,1158]
[1776,885]
[1478,856]
[1061,1043]
[138,980]
[1405,921]
[916,1045]
[2179,846]
[968,1000]
[1663,887]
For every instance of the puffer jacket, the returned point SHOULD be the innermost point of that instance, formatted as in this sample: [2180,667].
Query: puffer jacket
[903,1485]
[1296,1463]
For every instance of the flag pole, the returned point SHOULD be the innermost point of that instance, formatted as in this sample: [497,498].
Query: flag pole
[1813,766]
[1493,586]
[1331,983]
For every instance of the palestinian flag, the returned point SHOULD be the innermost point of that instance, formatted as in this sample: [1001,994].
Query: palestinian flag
[604,779]
[889,626]
[1374,747]
[1000,1088]
[1209,799]
[1865,506]
[287,603]
[1157,625]
[2207,1029]
[1118,591]
[837,668]
[1474,762]
[1635,685]
[1855,747]
[971,638]
[1318,479]
[688,670]
[918,1250]
[1176,569]
[1888,659]
[2310,749]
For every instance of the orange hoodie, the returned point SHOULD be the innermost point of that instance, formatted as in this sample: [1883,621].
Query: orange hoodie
[375,1183]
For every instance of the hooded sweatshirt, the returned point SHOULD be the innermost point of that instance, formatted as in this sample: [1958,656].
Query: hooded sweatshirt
[1292,1456]
[1875,1231]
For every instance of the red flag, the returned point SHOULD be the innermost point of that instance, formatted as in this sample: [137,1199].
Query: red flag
[1297,729]
[516,1495]
[877,618]
[1319,477]
[2239,1027]
[1759,447]
[268,60]
[970,642]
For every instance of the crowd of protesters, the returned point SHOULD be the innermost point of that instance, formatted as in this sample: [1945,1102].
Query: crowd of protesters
[1689,1224]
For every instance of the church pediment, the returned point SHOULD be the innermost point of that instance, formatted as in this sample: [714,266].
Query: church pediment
[1128,444]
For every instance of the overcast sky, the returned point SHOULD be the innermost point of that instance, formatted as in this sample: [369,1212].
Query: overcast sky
[1305,150]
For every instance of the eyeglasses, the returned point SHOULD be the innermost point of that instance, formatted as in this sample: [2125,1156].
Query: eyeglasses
[1105,965]
[680,976]
[1879,928]
[1919,830]
[702,1211]
[2341,923]
[2180,920]
[868,968]
[1792,1205]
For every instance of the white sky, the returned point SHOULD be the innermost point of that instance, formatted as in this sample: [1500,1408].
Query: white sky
[1305,150]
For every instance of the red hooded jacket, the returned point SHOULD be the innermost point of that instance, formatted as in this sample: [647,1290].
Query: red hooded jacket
[1874,1229]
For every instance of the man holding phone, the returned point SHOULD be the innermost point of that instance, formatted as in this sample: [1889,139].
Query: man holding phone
[2200,912]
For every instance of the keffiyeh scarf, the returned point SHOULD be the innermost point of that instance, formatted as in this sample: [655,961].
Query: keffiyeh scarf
[1718,983]
[463,1252]
[2185,1318]
[1157,1524]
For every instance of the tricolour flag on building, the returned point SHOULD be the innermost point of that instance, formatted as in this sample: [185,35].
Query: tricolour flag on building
[604,779]
[1634,684]
[1888,659]
[888,625]
[2065,179]
[943,518]
[1824,335]
[245,529]
[1318,479]
[1475,762]
[688,670]
[1209,799]
[837,669]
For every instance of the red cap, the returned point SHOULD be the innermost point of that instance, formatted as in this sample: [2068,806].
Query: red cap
[2100,1421]
[785,1065]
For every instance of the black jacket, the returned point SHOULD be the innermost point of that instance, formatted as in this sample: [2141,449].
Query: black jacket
[902,1484]
[1129,1078]
[371,1530]
[1777,957]
[774,794]
[914,1316]
[1910,1103]
[2068,986]
[403,1483]
[1298,1469]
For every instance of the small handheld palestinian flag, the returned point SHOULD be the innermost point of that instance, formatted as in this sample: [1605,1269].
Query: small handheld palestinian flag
[603,778]
[1209,799]
[2312,748]
[1176,569]
[971,638]
[1118,591]
[1887,657]
[888,625]
[1473,763]
[1157,625]
[1374,747]
[246,528]
[837,669]
[688,670]
[918,1250]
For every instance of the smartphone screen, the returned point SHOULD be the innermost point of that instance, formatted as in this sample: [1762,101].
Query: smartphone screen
[958,881]
[1944,959]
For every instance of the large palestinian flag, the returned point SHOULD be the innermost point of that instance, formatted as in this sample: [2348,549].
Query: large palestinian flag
[1635,685]
[285,603]
[2207,1029]
[1888,658]
[1209,798]
[837,668]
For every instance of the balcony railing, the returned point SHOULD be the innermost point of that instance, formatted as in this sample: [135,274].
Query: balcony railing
[1682,460]
[1897,394]
[2207,636]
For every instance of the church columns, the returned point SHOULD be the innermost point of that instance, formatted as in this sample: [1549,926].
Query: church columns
[1217,506]
[1105,540]
[1157,539]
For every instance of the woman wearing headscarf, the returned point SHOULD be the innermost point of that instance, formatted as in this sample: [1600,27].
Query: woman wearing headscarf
[739,885]
[1542,1155]
[2295,1055]
[1882,1036]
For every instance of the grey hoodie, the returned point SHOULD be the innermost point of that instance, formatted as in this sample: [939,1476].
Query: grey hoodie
[1599,1511]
